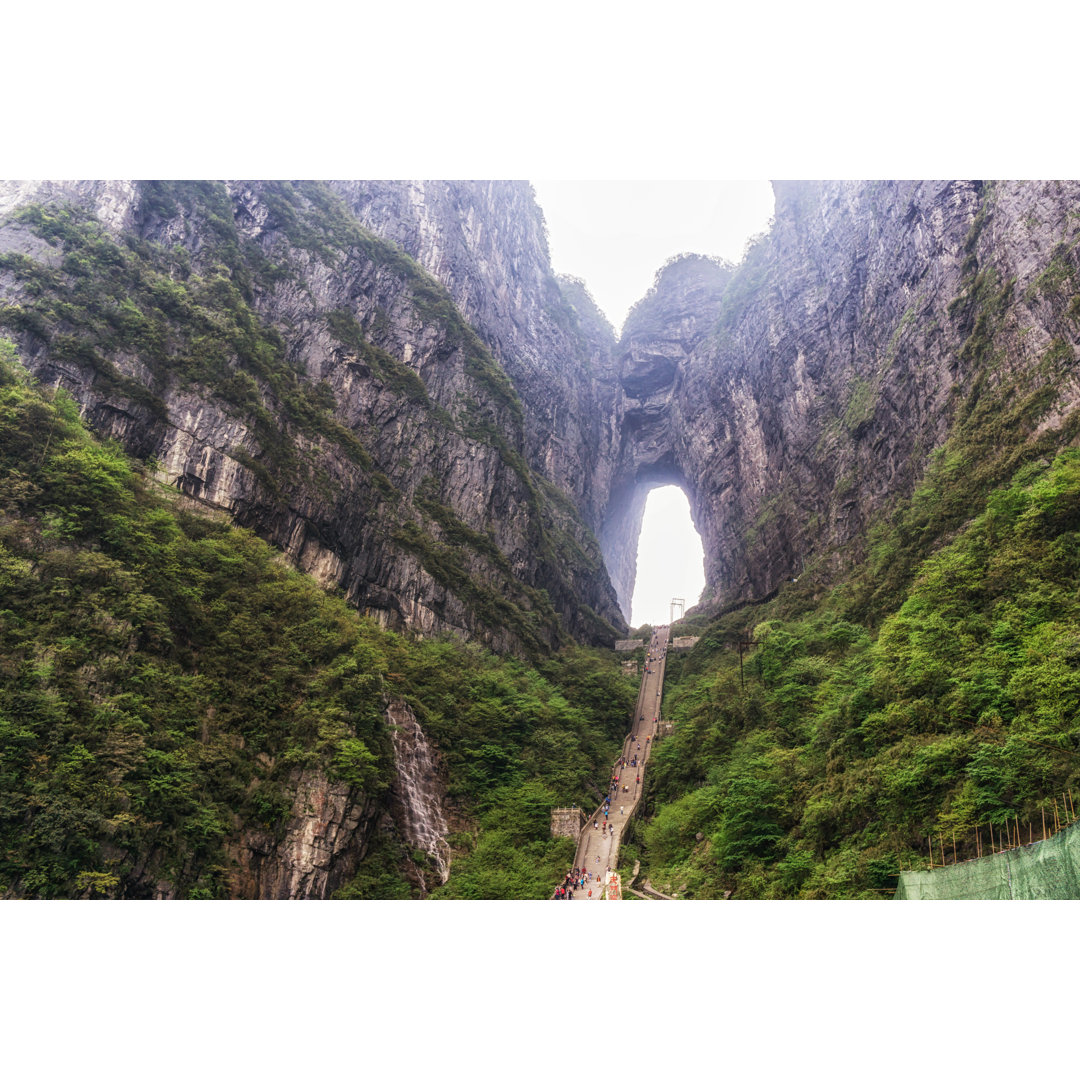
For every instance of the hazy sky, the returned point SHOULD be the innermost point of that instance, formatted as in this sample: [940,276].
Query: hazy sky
[670,560]
[615,234]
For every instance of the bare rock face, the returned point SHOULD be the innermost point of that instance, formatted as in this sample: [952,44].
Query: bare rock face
[326,837]
[419,792]
[798,398]
[792,397]
[113,202]
[407,470]
[486,242]
[659,339]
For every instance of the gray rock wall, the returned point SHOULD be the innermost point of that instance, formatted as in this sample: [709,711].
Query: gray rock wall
[793,397]
[797,398]
[486,242]
[326,838]
[337,521]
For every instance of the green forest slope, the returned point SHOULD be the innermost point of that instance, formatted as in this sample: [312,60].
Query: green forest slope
[932,692]
[164,674]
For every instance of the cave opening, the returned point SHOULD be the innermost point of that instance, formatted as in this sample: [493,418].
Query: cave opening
[670,557]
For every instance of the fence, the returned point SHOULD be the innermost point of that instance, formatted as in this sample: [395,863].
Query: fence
[1043,870]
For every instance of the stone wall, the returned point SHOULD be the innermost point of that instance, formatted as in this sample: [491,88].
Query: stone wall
[682,643]
[796,398]
[567,821]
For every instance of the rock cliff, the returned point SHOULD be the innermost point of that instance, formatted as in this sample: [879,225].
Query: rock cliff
[330,826]
[799,396]
[388,380]
[326,837]
[282,362]
[659,339]
[486,242]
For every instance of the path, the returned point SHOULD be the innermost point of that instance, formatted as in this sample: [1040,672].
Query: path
[598,851]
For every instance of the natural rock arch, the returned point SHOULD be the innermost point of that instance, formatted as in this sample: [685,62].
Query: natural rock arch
[654,449]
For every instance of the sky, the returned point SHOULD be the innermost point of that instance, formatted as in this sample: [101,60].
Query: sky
[615,234]
[670,558]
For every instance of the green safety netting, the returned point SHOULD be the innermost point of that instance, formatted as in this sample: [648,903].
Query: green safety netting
[1047,870]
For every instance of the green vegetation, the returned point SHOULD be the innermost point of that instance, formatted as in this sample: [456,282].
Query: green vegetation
[1059,279]
[907,321]
[162,675]
[862,402]
[932,691]
[746,283]
[846,750]
[165,679]
[517,741]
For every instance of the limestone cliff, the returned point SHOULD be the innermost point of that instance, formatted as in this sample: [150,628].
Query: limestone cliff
[659,339]
[283,363]
[388,381]
[486,242]
[798,397]
[411,404]
[325,839]
[330,826]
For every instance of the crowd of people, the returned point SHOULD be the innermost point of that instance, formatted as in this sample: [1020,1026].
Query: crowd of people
[576,878]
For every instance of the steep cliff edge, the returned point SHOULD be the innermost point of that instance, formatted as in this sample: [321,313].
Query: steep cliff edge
[283,363]
[799,398]
[485,241]
[443,437]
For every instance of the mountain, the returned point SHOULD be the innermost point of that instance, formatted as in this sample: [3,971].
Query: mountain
[878,437]
[798,396]
[283,363]
[387,382]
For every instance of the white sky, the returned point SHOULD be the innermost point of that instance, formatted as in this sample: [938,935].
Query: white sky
[670,559]
[615,234]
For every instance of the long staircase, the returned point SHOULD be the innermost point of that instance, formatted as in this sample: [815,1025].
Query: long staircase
[598,848]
